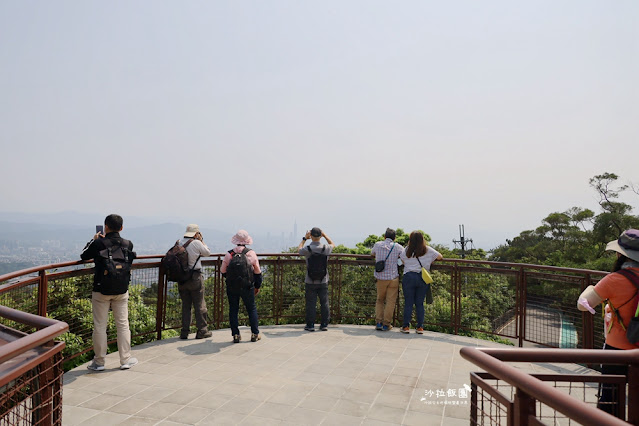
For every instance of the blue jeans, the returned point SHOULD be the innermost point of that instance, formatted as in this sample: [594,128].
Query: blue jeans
[248,297]
[313,291]
[414,294]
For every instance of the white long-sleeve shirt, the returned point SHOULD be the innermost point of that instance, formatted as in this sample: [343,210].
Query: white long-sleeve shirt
[195,249]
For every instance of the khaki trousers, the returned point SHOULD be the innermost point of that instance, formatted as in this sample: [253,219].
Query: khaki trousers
[386,297]
[119,304]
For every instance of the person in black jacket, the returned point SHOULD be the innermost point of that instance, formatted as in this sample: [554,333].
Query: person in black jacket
[112,256]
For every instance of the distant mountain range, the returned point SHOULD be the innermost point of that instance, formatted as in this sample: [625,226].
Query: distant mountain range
[166,233]
[69,231]
[74,219]
[74,229]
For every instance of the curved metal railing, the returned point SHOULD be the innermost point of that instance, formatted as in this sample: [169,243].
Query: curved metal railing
[530,393]
[30,370]
[521,303]
[525,305]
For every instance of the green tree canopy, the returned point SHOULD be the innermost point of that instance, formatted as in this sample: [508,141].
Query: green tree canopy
[576,237]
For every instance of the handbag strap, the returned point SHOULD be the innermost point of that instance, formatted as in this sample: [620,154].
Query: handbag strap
[420,262]
[186,244]
[389,252]
[634,279]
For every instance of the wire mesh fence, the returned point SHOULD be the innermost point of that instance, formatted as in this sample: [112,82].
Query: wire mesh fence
[489,405]
[520,304]
[35,397]
[30,369]
[487,297]
[530,305]
[493,400]
[23,298]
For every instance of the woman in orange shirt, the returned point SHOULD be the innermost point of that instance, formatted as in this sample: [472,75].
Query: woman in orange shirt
[620,289]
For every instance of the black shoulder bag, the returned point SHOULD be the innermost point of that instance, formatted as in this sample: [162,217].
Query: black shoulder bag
[379,266]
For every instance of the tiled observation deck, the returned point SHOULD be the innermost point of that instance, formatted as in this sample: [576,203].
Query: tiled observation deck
[348,375]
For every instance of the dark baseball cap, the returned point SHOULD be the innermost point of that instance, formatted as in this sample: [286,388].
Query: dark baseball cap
[316,232]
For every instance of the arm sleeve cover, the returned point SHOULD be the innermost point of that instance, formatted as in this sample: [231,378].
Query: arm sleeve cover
[257,280]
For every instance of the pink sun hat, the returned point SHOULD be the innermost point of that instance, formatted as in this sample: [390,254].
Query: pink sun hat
[242,238]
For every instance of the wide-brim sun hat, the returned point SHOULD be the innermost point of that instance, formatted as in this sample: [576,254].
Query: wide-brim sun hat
[191,230]
[627,244]
[242,238]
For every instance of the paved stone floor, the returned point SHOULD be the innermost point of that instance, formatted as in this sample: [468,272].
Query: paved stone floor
[348,375]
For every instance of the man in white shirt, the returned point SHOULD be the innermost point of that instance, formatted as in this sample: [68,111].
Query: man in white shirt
[192,290]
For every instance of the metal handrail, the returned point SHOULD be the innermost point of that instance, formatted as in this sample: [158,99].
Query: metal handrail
[573,356]
[31,370]
[41,275]
[485,358]
[363,257]
[49,329]
[491,360]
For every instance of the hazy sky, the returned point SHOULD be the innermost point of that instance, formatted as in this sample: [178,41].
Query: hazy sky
[349,115]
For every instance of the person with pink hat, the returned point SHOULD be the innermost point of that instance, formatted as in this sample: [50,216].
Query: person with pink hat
[620,289]
[243,276]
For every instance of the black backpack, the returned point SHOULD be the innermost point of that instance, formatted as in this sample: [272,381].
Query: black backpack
[176,263]
[316,264]
[239,273]
[117,261]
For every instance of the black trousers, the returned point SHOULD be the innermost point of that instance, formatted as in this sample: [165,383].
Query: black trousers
[313,291]
[608,392]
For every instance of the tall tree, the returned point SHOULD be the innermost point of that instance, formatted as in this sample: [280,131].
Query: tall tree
[616,216]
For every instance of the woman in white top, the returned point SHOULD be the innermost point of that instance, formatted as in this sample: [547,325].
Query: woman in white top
[416,255]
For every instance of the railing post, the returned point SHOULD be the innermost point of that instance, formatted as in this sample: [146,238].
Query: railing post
[273,297]
[218,294]
[161,307]
[473,402]
[633,394]
[588,330]
[43,285]
[339,291]
[524,406]
[521,306]
[56,385]
[455,292]
[396,312]
[587,321]
[43,394]
[277,288]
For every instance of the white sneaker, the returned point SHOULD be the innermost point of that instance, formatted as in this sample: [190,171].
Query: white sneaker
[95,367]
[130,363]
